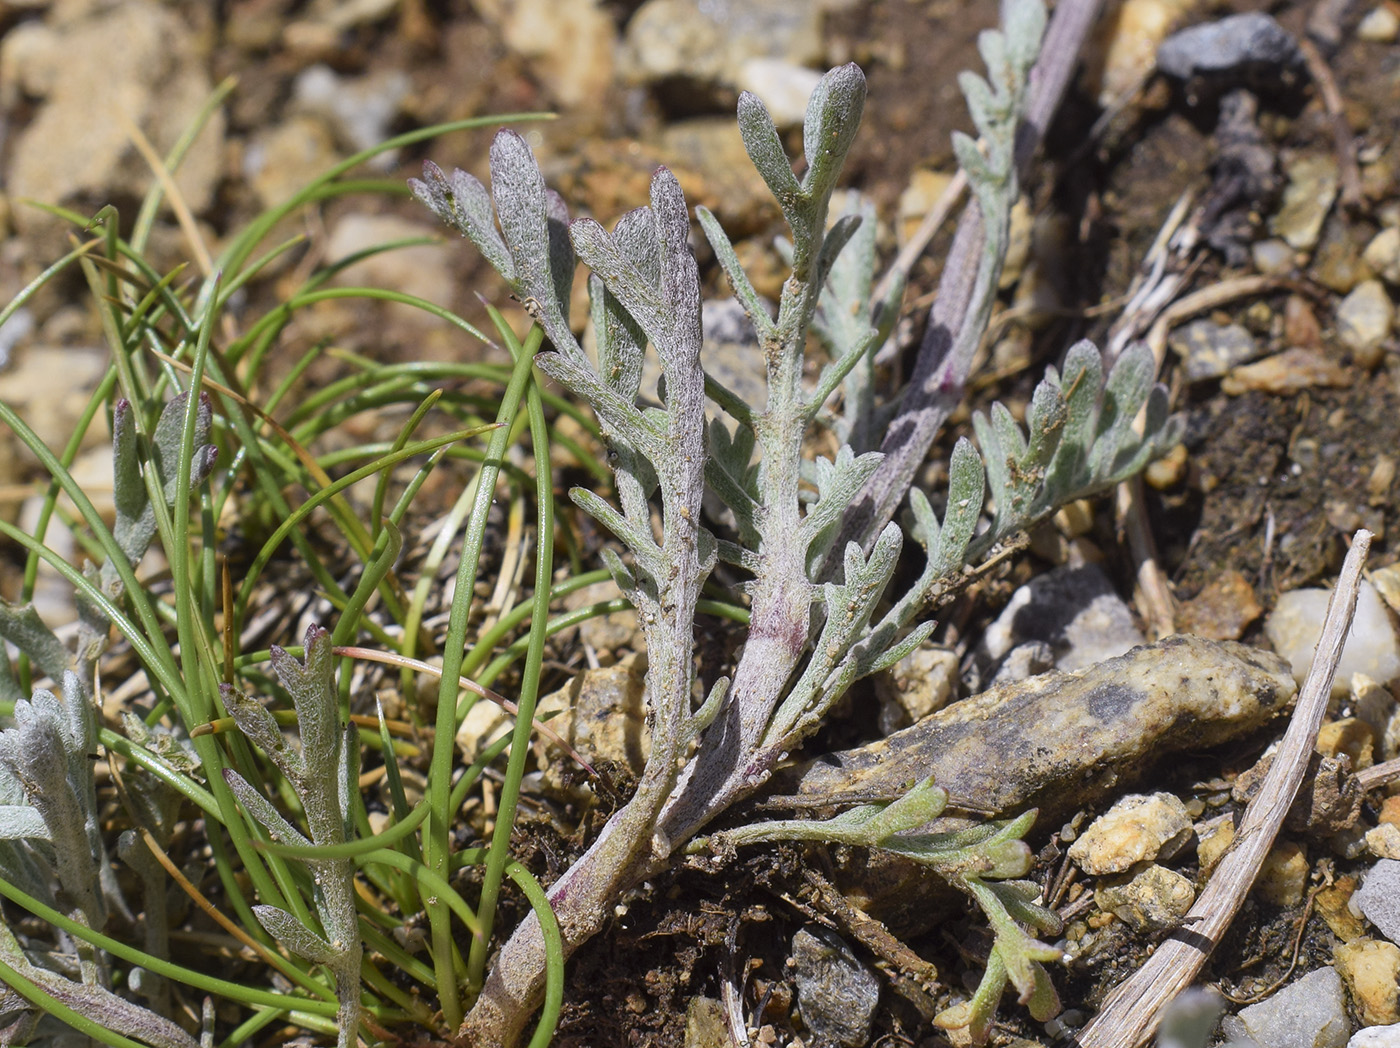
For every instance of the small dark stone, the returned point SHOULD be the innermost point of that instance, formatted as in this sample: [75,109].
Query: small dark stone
[836,994]
[1230,44]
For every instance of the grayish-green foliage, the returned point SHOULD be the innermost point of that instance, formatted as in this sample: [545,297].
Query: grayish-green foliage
[810,637]
[323,771]
[820,614]
[51,843]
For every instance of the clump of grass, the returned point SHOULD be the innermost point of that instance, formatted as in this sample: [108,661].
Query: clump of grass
[262,769]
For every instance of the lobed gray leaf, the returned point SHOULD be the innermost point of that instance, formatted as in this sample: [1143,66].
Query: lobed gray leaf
[260,808]
[1024,30]
[533,225]
[614,412]
[683,337]
[621,573]
[833,118]
[769,158]
[638,540]
[966,490]
[835,241]
[311,684]
[465,205]
[294,935]
[21,822]
[22,627]
[734,272]
[621,343]
[882,654]
[639,296]
[262,730]
[108,1010]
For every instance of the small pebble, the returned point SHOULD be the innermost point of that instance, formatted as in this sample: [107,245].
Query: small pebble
[1223,608]
[1337,263]
[1283,875]
[1384,841]
[1296,623]
[1167,472]
[1138,828]
[1312,187]
[1371,969]
[836,994]
[1286,373]
[1310,1013]
[917,685]
[1123,48]
[1379,898]
[1387,583]
[1213,836]
[1273,257]
[1382,254]
[1253,39]
[1380,26]
[1153,898]
[1364,321]
[1209,350]
[1390,811]
[1350,736]
[705,1026]
[1334,904]
[1074,610]
[1372,703]
[1376,1037]
[1378,483]
[1300,326]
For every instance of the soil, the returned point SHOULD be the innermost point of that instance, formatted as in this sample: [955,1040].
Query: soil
[1272,485]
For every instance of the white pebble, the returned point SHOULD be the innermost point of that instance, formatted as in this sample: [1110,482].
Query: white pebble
[1296,624]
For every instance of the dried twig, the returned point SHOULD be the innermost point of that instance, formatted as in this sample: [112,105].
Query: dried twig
[1348,171]
[1132,1012]
[1379,775]
[912,977]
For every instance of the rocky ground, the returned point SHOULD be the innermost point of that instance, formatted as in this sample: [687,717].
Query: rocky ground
[1282,360]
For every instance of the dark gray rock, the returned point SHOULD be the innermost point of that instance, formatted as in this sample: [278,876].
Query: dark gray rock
[836,994]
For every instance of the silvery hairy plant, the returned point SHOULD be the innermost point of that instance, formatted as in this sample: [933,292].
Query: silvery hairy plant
[820,615]
[51,843]
[324,773]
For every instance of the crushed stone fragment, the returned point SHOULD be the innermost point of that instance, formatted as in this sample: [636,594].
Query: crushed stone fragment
[1379,898]
[1063,740]
[1310,1013]
[1138,828]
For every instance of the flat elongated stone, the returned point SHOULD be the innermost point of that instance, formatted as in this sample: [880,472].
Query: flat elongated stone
[1061,741]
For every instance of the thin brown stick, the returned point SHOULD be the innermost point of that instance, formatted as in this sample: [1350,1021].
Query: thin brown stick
[912,251]
[1349,173]
[1158,604]
[1379,775]
[913,978]
[188,226]
[1131,1013]
[1211,297]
